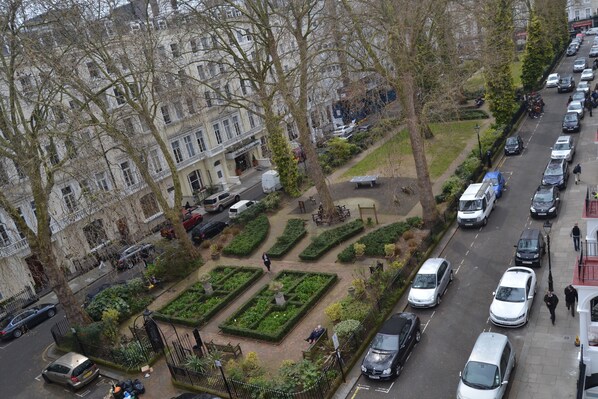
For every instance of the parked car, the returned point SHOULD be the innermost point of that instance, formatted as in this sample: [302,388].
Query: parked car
[530,248]
[571,50]
[579,96]
[344,131]
[488,370]
[513,145]
[553,80]
[190,220]
[575,106]
[217,202]
[563,148]
[513,297]
[545,202]
[14,325]
[593,51]
[498,181]
[580,64]
[430,283]
[583,86]
[566,84]
[134,254]
[73,370]
[556,173]
[239,207]
[592,31]
[391,346]
[208,230]
[587,74]
[571,122]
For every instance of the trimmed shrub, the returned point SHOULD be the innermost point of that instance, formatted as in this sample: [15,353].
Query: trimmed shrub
[250,238]
[293,233]
[331,238]
[174,263]
[271,201]
[375,241]
[126,299]
[345,328]
[250,214]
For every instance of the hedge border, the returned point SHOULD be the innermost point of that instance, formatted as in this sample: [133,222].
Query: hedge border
[286,248]
[255,232]
[226,300]
[290,324]
[337,239]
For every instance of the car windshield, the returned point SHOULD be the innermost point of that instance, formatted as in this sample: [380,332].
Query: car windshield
[385,342]
[570,117]
[579,96]
[512,141]
[527,245]
[424,281]
[209,201]
[553,170]
[474,205]
[561,147]
[543,196]
[481,375]
[575,105]
[510,294]
[80,369]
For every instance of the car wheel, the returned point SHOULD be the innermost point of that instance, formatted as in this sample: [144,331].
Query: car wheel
[451,276]
[51,313]
[398,370]
[46,379]
[438,300]
[526,317]
[485,221]
[17,333]
[220,208]
[418,336]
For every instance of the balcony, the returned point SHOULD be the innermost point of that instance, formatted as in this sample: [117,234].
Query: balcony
[13,248]
[590,209]
[586,265]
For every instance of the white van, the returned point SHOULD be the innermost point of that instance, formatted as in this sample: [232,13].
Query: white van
[236,209]
[488,369]
[271,181]
[475,205]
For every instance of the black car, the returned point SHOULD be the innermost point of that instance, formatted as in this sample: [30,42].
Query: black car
[571,122]
[13,326]
[134,254]
[567,83]
[571,51]
[207,230]
[513,145]
[391,346]
[556,173]
[546,202]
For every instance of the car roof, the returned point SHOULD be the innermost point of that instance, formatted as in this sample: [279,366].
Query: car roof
[553,75]
[492,174]
[430,266]
[394,324]
[530,233]
[488,348]
[564,139]
[516,277]
[587,70]
[239,203]
[71,360]
[213,196]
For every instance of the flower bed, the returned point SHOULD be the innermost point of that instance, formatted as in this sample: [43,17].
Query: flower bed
[375,241]
[331,238]
[293,233]
[261,318]
[193,307]
[250,238]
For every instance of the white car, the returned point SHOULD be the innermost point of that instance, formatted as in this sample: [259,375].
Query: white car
[430,283]
[583,86]
[553,80]
[587,74]
[592,31]
[576,106]
[594,51]
[513,297]
[344,131]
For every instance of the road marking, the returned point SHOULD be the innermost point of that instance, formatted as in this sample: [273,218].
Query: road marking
[358,388]
[38,378]
[425,326]
[387,390]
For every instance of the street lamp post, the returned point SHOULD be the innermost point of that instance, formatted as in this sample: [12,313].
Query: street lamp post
[547,228]
[477,130]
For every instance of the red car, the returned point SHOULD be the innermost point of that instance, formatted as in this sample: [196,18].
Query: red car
[190,220]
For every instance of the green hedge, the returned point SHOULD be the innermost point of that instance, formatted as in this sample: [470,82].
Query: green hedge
[261,318]
[293,233]
[127,299]
[194,308]
[375,241]
[250,238]
[331,238]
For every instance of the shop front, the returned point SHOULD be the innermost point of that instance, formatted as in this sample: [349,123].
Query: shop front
[243,155]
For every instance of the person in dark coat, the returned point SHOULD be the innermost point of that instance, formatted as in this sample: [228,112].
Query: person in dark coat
[576,235]
[570,298]
[551,300]
[577,173]
[315,334]
[589,106]
[266,260]
[489,158]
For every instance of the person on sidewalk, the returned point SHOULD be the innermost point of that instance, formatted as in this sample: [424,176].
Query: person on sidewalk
[266,260]
[570,298]
[589,106]
[551,300]
[576,234]
[489,158]
[577,173]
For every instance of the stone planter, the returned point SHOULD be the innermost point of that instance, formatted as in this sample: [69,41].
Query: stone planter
[207,287]
[279,298]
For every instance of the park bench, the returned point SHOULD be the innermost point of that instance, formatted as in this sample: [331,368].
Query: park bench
[228,349]
[318,345]
[370,180]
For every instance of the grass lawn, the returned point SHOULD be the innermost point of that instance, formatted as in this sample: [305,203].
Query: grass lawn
[448,142]
[476,82]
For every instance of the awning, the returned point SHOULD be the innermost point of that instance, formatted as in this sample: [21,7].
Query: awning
[242,150]
[581,24]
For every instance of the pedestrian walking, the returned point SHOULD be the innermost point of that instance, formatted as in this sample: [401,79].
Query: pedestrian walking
[570,298]
[569,100]
[266,260]
[576,234]
[577,173]
[551,300]
[589,106]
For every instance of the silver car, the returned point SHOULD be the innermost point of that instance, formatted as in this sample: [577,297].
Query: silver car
[73,370]
[430,283]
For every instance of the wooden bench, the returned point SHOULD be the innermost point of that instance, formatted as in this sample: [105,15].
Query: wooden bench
[228,349]
[370,180]
[309,353]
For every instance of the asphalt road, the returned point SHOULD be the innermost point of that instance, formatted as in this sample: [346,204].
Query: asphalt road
[480,257]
